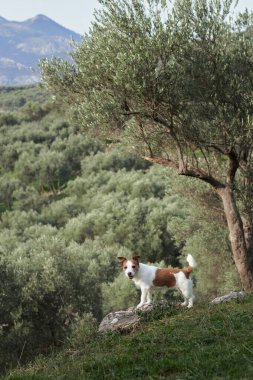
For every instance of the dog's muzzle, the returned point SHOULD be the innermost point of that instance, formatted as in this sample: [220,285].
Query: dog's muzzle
[130,276]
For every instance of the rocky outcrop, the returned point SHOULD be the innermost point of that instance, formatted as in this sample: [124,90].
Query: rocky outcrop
[228,297]
[119,320]
[129,320]
[124,320]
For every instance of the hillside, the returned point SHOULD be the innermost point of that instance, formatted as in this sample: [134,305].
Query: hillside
[23,44]
[203,343]
[70,203]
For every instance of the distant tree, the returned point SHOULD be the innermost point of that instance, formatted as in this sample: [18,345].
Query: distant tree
[21,101]
[32,112]
[26,198]
[26,167]
[58,213]
[9,156]
[53,170]
[8,185]
[77,147]
[179,83]
[118,295]
[8,118]
[45,287]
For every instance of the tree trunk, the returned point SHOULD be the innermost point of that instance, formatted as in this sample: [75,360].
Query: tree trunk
[240,230]
[242,251]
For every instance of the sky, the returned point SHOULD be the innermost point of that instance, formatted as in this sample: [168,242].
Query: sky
[75,15]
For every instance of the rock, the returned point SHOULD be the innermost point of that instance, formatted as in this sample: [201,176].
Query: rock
[228,297]
[119,320]
[124,320]
[129,320]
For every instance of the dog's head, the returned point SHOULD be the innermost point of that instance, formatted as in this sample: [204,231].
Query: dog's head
[130,267]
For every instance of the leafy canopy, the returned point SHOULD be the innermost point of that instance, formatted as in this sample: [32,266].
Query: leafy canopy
[177,81]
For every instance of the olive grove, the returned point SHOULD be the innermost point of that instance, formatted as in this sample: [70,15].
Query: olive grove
[176,82]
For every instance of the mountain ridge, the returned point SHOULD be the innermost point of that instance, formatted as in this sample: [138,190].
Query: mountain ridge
[24,43]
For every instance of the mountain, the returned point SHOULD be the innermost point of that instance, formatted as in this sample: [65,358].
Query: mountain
[23,44]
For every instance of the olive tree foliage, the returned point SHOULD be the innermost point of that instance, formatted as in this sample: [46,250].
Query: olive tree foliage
[177,82]
[7,188]
[45,286]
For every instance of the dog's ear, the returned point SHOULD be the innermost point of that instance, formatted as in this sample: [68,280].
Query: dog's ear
[137,258]
[121,260]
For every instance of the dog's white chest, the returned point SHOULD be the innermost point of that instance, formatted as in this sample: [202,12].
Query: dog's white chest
[146,276]
[139,283]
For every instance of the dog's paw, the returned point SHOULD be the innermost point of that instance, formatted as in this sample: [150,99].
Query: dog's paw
[145,306]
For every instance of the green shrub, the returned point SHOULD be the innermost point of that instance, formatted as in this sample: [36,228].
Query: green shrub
[8,119]
[9,156]
[26,198]
[8,186]
[45,287]
[83,332]
[121,294]
[32,112]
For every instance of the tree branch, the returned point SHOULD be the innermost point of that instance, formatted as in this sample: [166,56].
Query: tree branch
[188,172]
[232,168]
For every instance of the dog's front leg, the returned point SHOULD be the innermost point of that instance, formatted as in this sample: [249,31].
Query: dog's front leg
[149,301]
[144,295]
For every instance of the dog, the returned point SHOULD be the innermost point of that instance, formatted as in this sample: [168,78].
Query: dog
[147,277]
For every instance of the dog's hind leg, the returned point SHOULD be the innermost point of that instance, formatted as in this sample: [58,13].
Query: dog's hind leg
[186,287]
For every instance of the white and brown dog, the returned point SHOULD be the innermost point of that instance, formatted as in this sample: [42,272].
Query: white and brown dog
[147,277]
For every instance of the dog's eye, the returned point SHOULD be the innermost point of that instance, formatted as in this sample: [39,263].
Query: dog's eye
[133,266]
[125,267]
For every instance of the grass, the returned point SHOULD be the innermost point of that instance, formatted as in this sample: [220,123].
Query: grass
[207,342]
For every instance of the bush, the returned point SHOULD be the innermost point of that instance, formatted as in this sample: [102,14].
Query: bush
[26,198]
[32,112]
[121,294]
[83,332]
[116,160]
[58,213]
[8,119]
[52,170]
[26,168]
[45,287]
[8,186]
[9,156]
[75,148]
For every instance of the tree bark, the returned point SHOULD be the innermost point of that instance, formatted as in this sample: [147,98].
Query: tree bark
[241,250]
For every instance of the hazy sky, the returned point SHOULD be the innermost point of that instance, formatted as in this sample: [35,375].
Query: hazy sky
[73,14]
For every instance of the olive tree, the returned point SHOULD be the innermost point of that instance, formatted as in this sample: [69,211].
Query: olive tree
[178,82]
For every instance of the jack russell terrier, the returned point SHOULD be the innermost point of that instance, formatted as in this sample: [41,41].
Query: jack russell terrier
[148,276]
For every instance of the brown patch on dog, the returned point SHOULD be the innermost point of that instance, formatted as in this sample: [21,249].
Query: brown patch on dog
[187,271]
[135,262]
[164,277]
[122,260]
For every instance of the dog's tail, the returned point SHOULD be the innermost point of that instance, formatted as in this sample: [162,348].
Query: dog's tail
[192,263]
